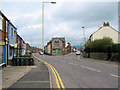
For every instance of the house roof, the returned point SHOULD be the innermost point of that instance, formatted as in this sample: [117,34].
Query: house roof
[7,19]
[62,38]
[3,16]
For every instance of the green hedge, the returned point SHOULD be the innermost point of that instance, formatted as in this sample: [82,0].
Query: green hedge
[102,45]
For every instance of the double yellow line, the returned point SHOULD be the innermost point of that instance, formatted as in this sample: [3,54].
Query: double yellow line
[57,76]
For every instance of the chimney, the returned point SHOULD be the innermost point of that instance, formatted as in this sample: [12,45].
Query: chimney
[106,24]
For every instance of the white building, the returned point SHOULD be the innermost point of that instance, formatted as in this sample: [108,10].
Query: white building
[106,31]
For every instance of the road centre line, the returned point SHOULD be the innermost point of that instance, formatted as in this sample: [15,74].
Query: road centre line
[58,79]
[91,69]
[115,75]
[105,63]
[71,63]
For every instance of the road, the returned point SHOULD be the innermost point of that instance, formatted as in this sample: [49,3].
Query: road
[84,73]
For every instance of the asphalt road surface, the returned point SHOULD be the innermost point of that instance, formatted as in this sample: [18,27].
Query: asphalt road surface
[84,73]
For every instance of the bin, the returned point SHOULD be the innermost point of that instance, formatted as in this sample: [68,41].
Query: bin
[27,61]
[21,63]
[14,61]
[18,62]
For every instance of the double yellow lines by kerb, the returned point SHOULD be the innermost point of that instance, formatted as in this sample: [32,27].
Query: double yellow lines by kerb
[57,76]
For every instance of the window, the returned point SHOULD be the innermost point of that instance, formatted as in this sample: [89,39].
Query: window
[0,23]
[11,32]
[14,33]
[10,51]
[6,26]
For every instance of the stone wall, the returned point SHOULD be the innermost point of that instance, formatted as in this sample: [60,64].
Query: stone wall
[103,56]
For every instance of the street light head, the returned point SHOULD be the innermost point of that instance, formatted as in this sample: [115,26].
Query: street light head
[83,27]
[53,2]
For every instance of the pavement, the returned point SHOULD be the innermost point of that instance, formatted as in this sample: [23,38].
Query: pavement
[84,72]
[26,76]
[74,72]
[11,74]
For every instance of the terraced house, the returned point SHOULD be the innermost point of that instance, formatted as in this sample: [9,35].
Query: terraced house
[12,45]
[3,39]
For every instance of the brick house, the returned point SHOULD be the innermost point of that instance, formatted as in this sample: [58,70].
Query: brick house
[28,48]
[23,47]
[3,39]
[35,49]
[19,46]
[56,46]
[68,48]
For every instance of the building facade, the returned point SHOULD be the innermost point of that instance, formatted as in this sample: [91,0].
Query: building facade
[56,46]
[3,39]
[12,44]
[28,48]
[23,47]
[19,46]
[106,31]
[35,49]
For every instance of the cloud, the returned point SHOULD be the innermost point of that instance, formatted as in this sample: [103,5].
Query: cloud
[64,19]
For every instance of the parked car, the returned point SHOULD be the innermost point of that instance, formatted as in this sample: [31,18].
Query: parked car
[40,52]
[78,53]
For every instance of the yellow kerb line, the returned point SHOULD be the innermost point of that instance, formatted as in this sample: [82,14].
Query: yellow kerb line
[54,70]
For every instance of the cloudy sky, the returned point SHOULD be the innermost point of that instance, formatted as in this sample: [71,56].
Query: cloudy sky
[63,19]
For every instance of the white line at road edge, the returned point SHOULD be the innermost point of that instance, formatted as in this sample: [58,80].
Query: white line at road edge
[91,69]
[115,75]
[71,63]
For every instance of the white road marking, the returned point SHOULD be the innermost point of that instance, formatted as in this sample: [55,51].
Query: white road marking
[91,69]
[115,75]
[71,63]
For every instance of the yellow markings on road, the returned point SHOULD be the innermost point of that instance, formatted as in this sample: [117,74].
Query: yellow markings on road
[57,76]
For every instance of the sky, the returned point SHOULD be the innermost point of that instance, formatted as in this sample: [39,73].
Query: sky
[63,19]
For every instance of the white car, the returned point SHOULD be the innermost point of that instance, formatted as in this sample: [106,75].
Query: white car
[78,53]
[41,53]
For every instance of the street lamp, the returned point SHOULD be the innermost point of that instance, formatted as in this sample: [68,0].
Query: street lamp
[83,34]
[43,25]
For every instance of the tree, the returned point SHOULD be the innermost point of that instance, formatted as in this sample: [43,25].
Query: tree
[99,45]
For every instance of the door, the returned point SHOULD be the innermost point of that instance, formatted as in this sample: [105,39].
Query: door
[59,51]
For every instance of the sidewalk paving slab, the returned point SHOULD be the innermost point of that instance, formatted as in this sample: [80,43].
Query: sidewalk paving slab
[36,78]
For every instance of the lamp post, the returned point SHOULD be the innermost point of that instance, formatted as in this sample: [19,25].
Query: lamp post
[43,25]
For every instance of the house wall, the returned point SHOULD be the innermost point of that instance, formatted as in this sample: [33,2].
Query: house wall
[1,48]
[57,48]
[12,41]
[106,31]
[23,48]
[49,49]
